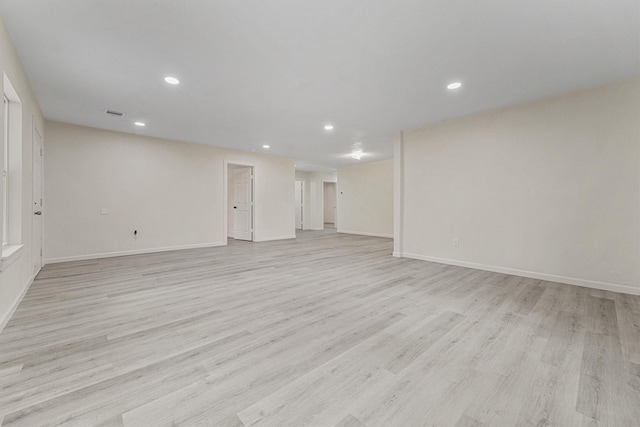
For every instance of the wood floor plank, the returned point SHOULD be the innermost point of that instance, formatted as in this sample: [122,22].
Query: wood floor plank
[565,341]
[628,311]
[502,404]
[405,352]
[327,329]
[604,386]
[319,393]
[10,369]
[602,317]
[467,421]
[349,421]
[241,378]
[446,408]
[553,394]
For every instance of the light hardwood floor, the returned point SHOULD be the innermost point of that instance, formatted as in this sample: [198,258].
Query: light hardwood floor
[325,330]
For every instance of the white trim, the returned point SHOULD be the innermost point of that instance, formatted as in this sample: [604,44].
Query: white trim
[269,239]
[364,233]
[605,286]
[10,254]
[134,252]
[14,306]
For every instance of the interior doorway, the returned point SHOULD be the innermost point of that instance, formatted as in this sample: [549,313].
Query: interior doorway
[240,202]
[299,190]
[37,201]
[329,204]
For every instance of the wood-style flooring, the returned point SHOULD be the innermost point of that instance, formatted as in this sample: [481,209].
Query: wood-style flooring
[325,330]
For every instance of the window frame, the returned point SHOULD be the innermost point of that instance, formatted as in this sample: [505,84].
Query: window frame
[5,172]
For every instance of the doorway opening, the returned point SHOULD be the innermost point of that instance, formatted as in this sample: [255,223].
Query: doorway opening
[299,189]
[240,202]
[329,204]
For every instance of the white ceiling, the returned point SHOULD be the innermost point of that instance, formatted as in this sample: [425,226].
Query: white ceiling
[274,72]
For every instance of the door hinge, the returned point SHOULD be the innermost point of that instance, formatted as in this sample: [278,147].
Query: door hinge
[40,251]
[41,152]
[40,201]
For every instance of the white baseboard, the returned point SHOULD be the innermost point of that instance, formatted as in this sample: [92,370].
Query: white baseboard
[605,286]
[133,252]
[14,306]
[269,239]
[364,233]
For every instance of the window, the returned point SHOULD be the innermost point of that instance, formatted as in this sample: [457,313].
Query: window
[11,175]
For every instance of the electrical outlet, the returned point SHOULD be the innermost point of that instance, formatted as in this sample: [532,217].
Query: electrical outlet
[456,243]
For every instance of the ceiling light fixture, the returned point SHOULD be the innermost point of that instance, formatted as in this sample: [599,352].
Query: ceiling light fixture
[454,85]
[266,146]
[328,127]
[141,124]
[171,80]
[356,154]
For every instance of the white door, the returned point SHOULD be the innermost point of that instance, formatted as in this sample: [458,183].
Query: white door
[37,201]
[243,203]
[299,203]
[329,202]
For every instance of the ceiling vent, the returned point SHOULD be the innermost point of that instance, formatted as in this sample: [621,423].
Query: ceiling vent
[114,113]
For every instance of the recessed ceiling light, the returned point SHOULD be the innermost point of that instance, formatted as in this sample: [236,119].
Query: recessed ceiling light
[454,85]
[171,80]
[356,154]
[266,146]
[141,124]
[328,127]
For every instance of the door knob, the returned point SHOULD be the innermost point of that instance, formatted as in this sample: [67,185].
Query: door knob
[37,213]
[235,207]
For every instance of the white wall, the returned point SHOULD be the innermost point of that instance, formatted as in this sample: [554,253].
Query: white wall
[172,192]
[549,189]
[16,277]
[365,199]
[313,202]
